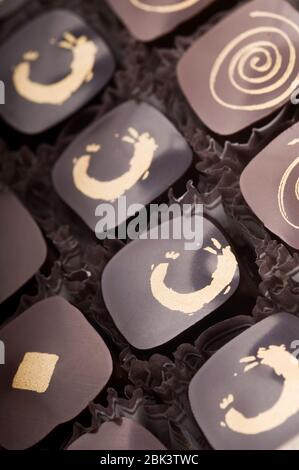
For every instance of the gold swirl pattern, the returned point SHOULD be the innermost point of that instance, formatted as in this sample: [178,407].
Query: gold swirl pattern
[282,188]
[170,8]
[264,59]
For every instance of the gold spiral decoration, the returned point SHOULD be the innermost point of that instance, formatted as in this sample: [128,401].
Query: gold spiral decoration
[170,8]
[282,188]
[264,59]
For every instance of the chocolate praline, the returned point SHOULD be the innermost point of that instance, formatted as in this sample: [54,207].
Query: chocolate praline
[156,289]
[132,152]
[276,201]
[244,68]
[245,397]
[55,364]
[51,67]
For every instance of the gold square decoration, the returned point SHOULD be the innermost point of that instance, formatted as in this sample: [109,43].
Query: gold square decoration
[35,372]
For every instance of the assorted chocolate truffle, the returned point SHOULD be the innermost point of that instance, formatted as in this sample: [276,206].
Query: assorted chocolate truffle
[156,289]
[7,7]
[149,19]
[23,249]
[51,68]
[122,434]
[276,201]
[55,364]
[246,397]
[244,68]
[133,151]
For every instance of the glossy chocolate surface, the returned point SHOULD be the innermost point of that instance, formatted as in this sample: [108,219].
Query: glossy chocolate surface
[51,68]
[55,364]
[276,200]
[133,151]
[244,68]
[246,396]
[155,289]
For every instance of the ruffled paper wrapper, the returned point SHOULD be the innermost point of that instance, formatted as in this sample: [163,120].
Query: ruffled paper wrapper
[156,391]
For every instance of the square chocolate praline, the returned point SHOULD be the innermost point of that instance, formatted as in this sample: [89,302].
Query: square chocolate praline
[276,200]
[7,7]
[23,249]
[244,68]
[133,151]
[150,19]
[51,68]
[55,364]
[122,434]
[156,289]
[246,397]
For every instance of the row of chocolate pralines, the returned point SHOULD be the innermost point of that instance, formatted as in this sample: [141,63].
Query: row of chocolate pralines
[250,71]
[51,352]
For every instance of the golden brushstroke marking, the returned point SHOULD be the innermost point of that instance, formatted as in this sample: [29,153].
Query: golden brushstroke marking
[35,372]
[284,365]
[171,8]
[84,58]
[144,146]
[192,302]
[282,187]
[249,54]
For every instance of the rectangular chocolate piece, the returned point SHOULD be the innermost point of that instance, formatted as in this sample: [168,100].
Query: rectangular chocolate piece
[244,68]
[156,289]
[246,397]
[149,19]
[55,364]
[7,7]
[276,200]
[51,68]
[23,249]
[133,151]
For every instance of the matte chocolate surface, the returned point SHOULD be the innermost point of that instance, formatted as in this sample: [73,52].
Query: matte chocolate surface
[55,365]
[9,6]
[150,19]
[133,151]
[276,200]
[22,249]
[246,396]
[244,68]
[52,67]
[123,434]
[155,289]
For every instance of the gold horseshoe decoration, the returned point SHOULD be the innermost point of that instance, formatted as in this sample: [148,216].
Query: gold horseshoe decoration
[192,302]
[84,58]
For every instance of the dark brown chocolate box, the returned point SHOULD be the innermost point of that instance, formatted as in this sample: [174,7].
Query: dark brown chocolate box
[244,68]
